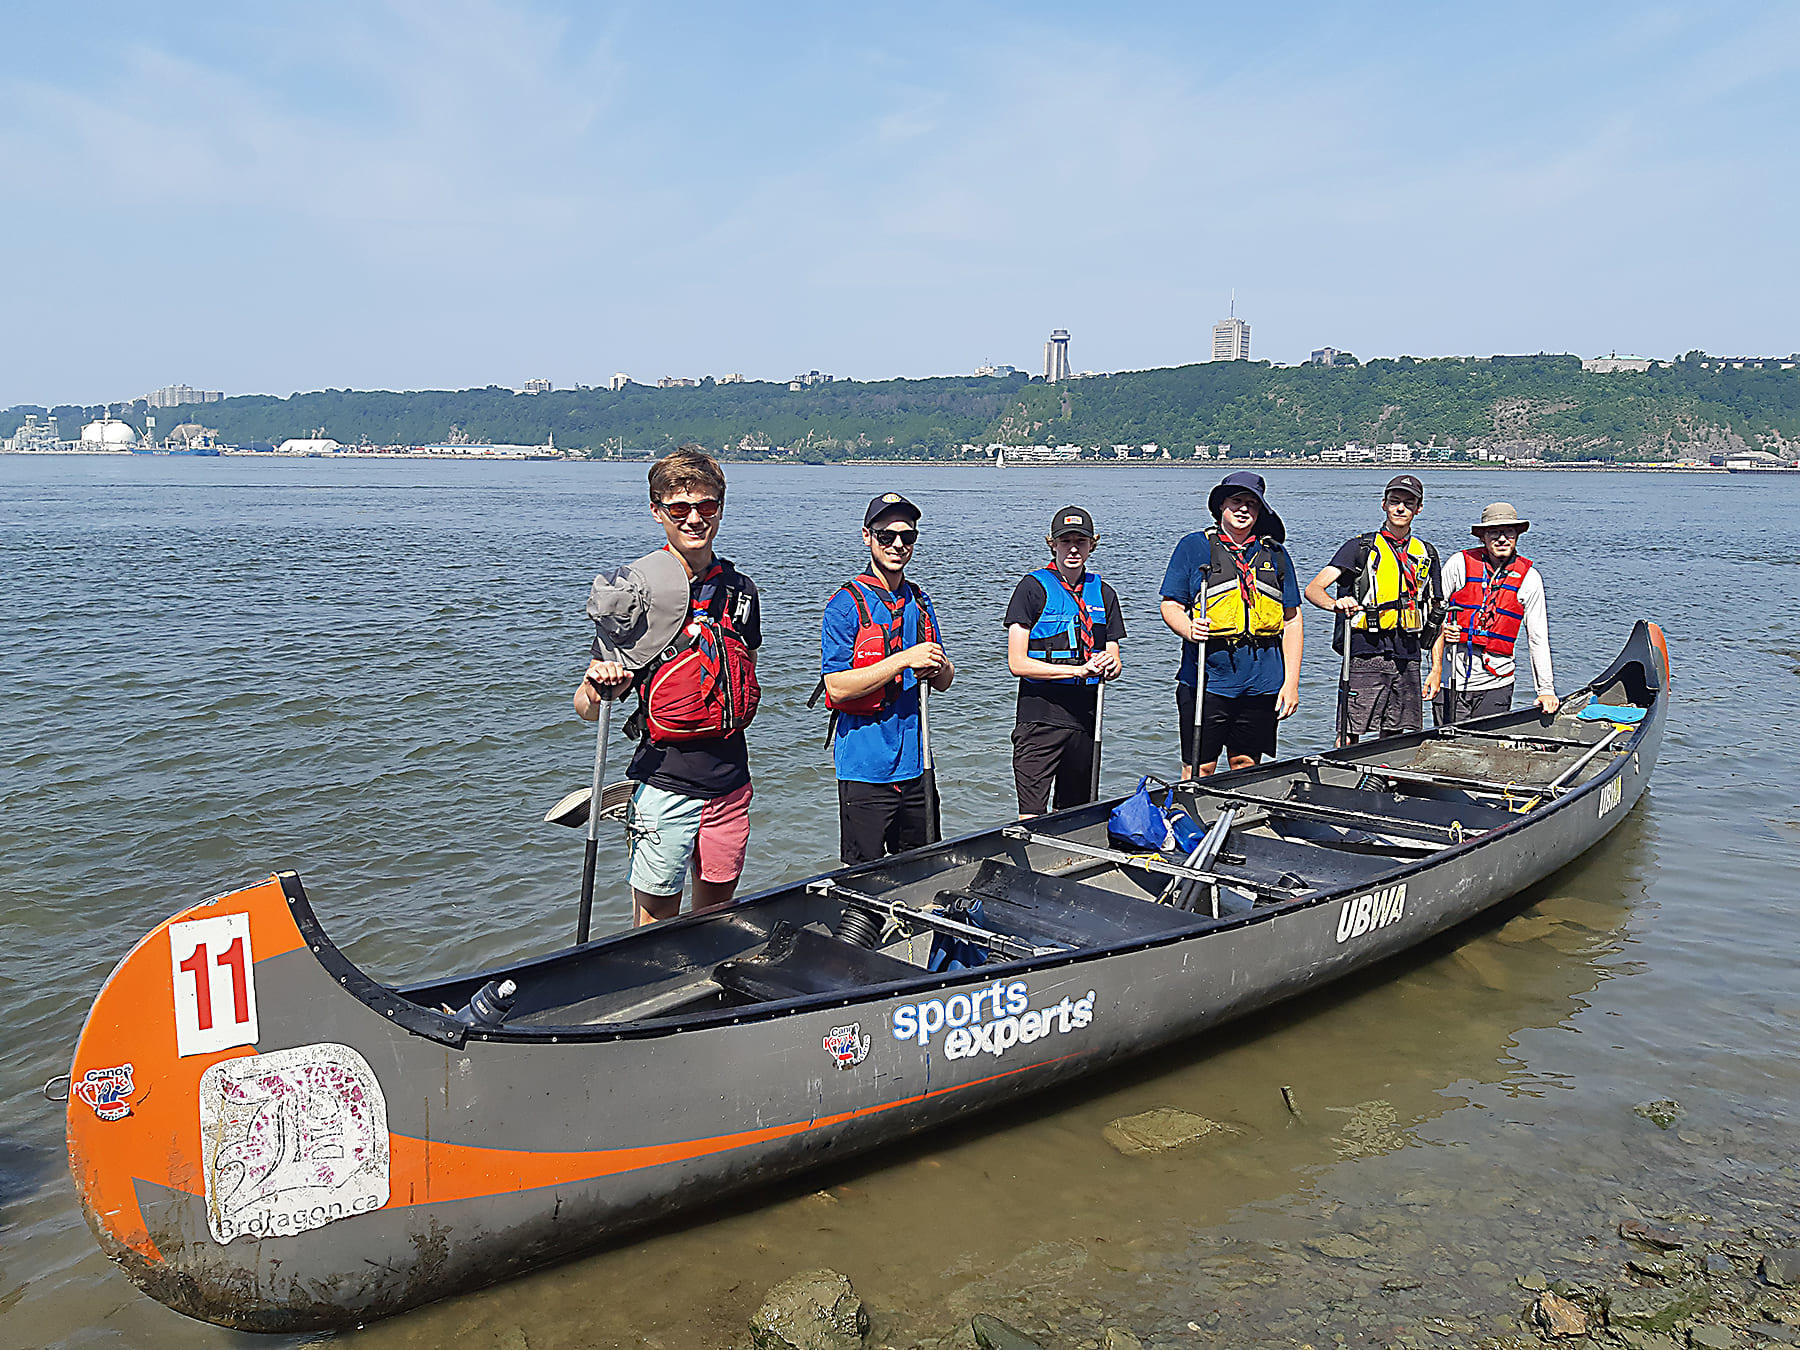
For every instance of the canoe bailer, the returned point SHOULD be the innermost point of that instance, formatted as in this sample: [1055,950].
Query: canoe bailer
[267,1138]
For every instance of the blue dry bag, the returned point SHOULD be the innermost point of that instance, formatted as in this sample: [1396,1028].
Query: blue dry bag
[949,952]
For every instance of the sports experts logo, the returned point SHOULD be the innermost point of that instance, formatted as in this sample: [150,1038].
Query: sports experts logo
[989,1021]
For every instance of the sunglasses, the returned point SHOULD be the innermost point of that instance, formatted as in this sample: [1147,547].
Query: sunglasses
[888,538]
[679,510]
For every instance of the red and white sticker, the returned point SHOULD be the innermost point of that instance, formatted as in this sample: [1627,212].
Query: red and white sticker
[215,984]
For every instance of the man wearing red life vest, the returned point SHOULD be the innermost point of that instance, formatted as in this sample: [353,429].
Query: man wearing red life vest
[879,638]
[691,808]
[1493,594]
[1063,626]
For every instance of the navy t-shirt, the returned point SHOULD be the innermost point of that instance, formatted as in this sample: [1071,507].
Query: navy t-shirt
[1059,703]
[1233,670]
[1391,642]
[720,765]
[883,747]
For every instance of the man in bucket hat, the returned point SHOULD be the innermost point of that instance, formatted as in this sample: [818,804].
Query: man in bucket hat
[1390,601]
[1493,593]
[691,809]
[1232,595]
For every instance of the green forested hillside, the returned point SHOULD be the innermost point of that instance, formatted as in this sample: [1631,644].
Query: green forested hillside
[1549,402]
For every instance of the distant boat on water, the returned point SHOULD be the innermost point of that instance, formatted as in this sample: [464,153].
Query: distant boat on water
[1761,462]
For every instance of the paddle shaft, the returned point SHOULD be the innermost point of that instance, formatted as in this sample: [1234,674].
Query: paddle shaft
[1099,724]
[1199,699]
[934,829]
[1343,736]
[592,852]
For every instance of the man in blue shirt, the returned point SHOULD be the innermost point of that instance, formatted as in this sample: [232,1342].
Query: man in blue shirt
[879,638]
[1232,590]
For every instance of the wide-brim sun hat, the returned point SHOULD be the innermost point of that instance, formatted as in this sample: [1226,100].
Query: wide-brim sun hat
[1268,524]
[638,610]
[1496,514]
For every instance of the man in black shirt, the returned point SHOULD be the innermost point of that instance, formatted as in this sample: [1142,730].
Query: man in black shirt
[1063,628]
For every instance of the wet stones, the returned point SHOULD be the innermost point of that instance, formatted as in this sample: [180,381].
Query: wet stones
[1658,1309]
[1559,1316]
[1662,1112]
[1781,1268]
[1160,1130]
[1649,1235]
[1342,1247]
[993,1334]
[1117,1338]
[1712,1337]
[815,1311]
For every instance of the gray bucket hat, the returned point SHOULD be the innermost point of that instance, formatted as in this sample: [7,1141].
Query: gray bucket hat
[638,610]
[1498,513]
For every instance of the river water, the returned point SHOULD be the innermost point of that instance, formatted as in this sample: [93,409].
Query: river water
[214,668]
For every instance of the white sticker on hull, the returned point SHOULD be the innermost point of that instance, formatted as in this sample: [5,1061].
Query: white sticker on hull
[1611,795]
[990,1020]
[291,1140]
[1377,909]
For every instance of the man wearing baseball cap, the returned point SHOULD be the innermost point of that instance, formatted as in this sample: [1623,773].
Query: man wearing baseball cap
[1493,593]
[1391,599]
[878,640]
[1232,596]
[1063,627]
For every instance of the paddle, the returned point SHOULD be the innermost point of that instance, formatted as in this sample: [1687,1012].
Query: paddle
[1099,724]
[592,850]
[1199,695]
[934,826]
[1343,727]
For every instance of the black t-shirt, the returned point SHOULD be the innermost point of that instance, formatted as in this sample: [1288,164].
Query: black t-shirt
[1059,703]
[1392,642]
[709,768]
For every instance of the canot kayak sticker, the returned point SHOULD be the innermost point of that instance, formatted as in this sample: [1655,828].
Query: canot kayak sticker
[291,1140]
[1377,909]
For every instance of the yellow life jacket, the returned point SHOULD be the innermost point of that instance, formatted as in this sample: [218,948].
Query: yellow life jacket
[1242,604]
[1399,596]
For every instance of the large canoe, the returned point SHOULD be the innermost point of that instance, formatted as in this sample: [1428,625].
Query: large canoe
[267,1138]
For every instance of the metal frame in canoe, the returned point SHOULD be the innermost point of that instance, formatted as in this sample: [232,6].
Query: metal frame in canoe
[267,1138]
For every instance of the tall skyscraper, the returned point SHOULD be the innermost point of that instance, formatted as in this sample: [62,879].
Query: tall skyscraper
[1056,356]
[1231,337]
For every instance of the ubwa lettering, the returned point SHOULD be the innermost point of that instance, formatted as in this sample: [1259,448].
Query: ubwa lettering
[1377,909]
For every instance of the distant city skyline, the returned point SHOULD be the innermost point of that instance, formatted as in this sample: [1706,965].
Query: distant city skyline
[395,196]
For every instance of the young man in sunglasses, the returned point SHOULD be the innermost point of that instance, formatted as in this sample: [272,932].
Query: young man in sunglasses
[879,639]
[691,808]
[1063,626]
[1391,598]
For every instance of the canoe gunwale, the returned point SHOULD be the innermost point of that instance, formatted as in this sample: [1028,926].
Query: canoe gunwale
[1637,655]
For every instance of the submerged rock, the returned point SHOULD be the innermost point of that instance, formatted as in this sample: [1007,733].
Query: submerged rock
[815,1311]
[993,1334]
[1782,1268]
[1559,1316]
[1658,1309]
[1117,1338]
[1535,1281]
[1712,1337]
[1663,1239]
[1662,1112]
[1160,1130]
[1342,1246]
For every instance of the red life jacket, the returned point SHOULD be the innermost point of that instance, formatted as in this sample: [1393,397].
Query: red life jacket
[876,640]
[704,684]
[1485,611]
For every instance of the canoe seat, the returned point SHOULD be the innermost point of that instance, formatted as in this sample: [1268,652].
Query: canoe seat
[1473,816]
[797,962]
[1063,912]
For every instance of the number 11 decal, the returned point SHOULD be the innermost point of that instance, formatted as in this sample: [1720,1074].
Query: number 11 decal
[215,984]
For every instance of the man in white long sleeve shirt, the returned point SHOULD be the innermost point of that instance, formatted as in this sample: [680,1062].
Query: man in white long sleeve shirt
[1493,594]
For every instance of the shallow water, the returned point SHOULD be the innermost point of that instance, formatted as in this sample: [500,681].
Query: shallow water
[362,670]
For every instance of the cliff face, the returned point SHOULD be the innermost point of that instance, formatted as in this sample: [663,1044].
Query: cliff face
[1548,403]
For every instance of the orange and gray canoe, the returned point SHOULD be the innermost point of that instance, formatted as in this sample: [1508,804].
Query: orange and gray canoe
[265,1137]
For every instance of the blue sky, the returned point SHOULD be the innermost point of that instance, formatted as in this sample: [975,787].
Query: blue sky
[272,197]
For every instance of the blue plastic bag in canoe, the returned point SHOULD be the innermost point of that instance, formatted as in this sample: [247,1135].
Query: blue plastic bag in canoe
[1623,713]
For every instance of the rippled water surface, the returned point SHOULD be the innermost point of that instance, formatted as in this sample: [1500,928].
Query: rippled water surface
[215,668]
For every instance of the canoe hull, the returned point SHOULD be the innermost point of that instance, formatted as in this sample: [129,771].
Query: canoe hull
[491,1153]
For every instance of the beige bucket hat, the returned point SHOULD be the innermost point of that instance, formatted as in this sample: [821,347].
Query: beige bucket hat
[1495,514]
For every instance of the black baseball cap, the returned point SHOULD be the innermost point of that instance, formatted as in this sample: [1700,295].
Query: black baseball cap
[1072,520]
[889,504]
[1405,482]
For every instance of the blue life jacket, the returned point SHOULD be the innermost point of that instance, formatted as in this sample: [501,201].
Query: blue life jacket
[1056,636]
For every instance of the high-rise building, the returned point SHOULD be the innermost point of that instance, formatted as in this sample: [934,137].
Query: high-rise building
[1056,356]
[1231,340]
[536,387]
[618,382]
[174,395]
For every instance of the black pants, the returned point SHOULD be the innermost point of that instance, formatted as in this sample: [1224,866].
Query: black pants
[1046,756]
[1472,703]
[876,819]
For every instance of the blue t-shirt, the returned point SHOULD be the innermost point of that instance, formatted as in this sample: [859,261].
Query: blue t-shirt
[1232,670]
[883,747]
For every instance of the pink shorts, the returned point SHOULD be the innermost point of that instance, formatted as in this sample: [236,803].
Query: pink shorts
[670,831]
